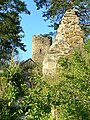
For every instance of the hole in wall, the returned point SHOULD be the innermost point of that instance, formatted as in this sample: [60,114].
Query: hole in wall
[40,50]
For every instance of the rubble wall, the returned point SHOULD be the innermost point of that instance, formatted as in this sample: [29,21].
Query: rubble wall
[69,35]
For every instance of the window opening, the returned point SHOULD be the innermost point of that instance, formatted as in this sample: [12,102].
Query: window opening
[40,50]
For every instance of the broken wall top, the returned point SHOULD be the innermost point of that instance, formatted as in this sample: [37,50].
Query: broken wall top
[69,30]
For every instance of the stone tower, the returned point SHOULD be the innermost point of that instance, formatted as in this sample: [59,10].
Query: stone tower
[40,46]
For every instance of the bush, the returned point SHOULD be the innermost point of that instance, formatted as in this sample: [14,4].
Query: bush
[74,86]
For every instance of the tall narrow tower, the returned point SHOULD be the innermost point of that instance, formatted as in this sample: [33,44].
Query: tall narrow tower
[40,46]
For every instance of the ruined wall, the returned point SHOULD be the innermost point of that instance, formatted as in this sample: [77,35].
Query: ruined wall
[69,30]
[40,46]
[69,35]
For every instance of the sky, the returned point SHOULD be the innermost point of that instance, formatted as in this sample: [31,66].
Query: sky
[32,24]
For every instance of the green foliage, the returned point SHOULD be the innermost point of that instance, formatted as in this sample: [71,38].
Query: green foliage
[74,86]
[87,45]
[11,32]
[37,102]
[86,30]
[14,89]
[69,96]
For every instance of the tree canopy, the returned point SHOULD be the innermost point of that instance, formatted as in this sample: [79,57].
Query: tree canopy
[11,32]
[55,9]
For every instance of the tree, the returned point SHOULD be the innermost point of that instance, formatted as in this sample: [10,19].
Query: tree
[11,32]
[55,9]
[12,84]
[18,101]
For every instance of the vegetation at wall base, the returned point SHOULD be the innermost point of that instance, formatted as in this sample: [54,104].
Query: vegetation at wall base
[75,85]
[69,98]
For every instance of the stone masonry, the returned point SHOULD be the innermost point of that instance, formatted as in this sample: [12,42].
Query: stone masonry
[40,46]
[69,35]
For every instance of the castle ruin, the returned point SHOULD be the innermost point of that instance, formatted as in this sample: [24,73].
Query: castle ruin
[69,35]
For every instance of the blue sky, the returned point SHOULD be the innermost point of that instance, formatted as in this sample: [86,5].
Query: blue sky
[32,24]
